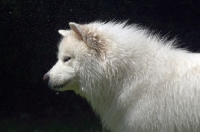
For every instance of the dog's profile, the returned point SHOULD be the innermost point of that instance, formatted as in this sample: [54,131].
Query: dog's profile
[134,80]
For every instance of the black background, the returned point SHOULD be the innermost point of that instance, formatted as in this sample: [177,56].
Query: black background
[29,38]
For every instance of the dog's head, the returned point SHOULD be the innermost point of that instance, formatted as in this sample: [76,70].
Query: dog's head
[77,45]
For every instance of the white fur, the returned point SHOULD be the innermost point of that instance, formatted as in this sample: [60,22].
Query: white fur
[135,81]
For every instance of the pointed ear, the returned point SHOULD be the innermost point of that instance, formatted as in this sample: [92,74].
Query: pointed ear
[63,32]
[91,38]
[77,29]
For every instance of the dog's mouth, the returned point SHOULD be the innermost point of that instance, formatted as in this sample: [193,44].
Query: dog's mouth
[69,85]
[60,87]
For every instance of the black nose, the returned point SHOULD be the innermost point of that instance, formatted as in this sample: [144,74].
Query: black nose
[46,78]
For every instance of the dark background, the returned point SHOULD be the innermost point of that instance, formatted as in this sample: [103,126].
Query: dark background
[29,38]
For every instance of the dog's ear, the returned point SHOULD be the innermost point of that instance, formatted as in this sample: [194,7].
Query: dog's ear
[90,37]
[63,32]
[77,29]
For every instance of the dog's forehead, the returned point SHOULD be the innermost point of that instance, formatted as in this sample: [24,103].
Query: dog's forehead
[63,42]
[63,51]
[66,42]
[67,46]
[64,45]
[71,46]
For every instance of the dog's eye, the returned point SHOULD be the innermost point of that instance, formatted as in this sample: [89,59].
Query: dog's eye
[67,59]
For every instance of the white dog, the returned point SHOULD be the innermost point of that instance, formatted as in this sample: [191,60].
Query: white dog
[135,81]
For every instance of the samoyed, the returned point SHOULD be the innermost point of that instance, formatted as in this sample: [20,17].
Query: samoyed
[134,80]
